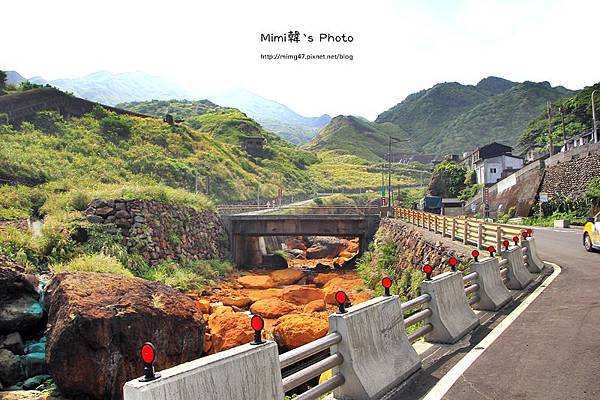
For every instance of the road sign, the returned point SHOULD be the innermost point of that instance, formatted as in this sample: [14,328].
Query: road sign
[543,197]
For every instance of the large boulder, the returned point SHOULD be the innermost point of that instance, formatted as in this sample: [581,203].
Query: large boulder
[325,247]
[287,276]
[98,322]
[11,370]
[20,309]
[272,308]
[295,330]
[256,281]
[301,294]
[229,330]
[354,288]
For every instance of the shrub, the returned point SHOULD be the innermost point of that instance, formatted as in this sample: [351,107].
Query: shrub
[92,263]
[116,127]
[47,121]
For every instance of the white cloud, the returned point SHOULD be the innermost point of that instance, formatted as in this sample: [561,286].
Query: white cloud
[399,47]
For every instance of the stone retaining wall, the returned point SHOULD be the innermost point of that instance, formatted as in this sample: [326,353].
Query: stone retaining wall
[163,231]
[570,177]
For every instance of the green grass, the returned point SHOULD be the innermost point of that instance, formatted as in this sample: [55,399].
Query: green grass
[189,276]
[92,263]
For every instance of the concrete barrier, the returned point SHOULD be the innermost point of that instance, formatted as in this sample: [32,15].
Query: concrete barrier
[244,372]
[376,351]
[492,292]
[534,263]
[518,274]
[452,317]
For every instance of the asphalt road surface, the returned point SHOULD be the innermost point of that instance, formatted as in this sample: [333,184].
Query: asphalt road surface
[552,350]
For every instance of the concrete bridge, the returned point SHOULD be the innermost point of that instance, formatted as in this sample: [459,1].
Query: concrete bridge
[245,229]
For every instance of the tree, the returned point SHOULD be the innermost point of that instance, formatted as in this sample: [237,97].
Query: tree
[448,179]
[3,78]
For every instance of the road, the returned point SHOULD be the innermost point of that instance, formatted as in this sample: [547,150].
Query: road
[552,350]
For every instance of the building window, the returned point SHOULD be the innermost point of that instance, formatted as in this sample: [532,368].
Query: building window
[492,170]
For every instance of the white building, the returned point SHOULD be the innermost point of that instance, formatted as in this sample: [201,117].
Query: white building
[493,162]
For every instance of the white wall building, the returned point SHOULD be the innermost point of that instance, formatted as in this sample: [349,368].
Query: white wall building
[493,162]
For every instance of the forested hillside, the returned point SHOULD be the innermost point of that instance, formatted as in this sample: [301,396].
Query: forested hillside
[577,111]
[450,117]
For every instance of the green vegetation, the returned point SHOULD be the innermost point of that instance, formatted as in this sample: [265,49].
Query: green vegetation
[450,117]
[574,209]
[3,78]
[190,275]
[92,263]
[450,179]
[577,111]
[179,109]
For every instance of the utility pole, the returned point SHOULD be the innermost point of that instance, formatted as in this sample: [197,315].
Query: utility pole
[550,130]
[562,117]
[390,138]
[594,118]
[258,194]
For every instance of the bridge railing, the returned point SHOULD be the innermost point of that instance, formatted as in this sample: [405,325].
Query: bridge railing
[299,209]
[468,231]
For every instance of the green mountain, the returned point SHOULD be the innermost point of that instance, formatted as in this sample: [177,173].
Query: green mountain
[577,112]
[450,117]
[356,136]
[274,116]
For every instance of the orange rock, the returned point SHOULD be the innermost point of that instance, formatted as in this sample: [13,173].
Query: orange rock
[322,278]
[222,310]
[349,286]
[272,308]
[315,306]
[295,243]
[229,330]
[353,246]
[256,281]
[242,301]
[287,276]
[301,294]
[204,306]
[256,295]
[207,343]
[291,331]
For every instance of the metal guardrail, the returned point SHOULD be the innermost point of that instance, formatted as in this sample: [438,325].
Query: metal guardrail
[468,231]
[313,370]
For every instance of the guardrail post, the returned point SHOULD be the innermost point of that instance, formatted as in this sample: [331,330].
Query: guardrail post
[444,226]
[451,318]
[376,351]
[453,231]
[498,237]
[244,372]
[480,231]
[518,275]
[492,292]
[435,223]
[466,232]
[534,264]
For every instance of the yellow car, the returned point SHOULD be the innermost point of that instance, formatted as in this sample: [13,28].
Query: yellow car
[591,233]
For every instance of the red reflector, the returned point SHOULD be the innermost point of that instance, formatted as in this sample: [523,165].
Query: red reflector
[386,282]
[453,261]
[148,353]
[475,253]
[427,268]
[524,234]
[257,323]
[516,239]
[492,249]
[530,231]
[505,243]
[341,297]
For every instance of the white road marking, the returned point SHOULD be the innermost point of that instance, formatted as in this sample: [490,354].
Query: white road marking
[444,384]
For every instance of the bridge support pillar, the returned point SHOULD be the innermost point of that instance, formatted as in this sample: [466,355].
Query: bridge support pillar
[244,372]
[451,318]
[518,275]
[492,292]
[534,264]
[376,351]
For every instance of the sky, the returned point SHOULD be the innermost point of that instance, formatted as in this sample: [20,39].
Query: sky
[399,47]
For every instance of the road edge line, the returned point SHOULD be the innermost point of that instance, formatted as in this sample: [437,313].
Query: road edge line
[449,379]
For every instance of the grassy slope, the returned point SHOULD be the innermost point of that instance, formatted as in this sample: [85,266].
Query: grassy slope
[359,137]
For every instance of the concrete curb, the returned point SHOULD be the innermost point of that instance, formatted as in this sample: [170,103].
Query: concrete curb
[376,351]
[518,275]
[452,316]
[534,264]
[244,372]
[492,292]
